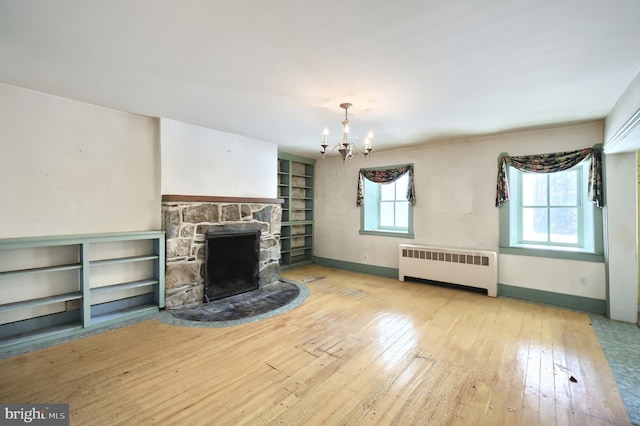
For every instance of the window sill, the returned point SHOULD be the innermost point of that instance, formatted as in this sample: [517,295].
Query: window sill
[396,234]
[553,252]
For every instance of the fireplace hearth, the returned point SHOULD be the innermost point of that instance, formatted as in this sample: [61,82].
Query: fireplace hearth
[232,263]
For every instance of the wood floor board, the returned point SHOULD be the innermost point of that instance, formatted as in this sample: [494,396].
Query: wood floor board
[433,394]
[487,373]
[368,386]
[391,404]
[361,350]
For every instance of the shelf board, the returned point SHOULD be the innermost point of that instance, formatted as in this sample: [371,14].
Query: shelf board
[122,286]
[123,260]
[297,222]
[44,333]
[63,240]
[124,313]
[41,269]
[40,301]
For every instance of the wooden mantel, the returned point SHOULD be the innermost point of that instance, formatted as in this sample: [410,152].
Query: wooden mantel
[215,199]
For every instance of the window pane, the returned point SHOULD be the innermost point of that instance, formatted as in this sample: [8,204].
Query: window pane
[534,224]
[386,214]
[402,214]
[534,189]
[401,187]
[564,225]
[563,188]
[387,191]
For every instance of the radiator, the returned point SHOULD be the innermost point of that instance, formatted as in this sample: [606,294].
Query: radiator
[473,268]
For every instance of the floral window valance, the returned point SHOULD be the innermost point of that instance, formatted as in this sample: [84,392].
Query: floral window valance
[549,163]
[386,176]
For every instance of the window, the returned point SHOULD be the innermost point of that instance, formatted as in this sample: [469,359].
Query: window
[550,211]
[386,209]
[394,206]
[551,208]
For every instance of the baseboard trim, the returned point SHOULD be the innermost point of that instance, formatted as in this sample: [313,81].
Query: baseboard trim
[570,301]
[380,271]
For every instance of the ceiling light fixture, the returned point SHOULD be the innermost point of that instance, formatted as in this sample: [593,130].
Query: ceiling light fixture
[346,148]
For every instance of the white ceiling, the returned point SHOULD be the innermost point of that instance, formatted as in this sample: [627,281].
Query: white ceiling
[416,71]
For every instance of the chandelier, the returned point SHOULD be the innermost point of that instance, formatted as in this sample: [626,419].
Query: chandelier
[347,149]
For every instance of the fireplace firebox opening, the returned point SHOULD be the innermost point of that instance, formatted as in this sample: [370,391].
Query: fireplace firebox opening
[232,263]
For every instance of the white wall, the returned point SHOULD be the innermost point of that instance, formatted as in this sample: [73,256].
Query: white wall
[621,210]
[586,279]
[68,167]
[622,126]
[622,140]
[455,191]
[200,161]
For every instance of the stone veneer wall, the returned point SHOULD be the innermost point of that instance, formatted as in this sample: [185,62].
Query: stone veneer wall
[186,224]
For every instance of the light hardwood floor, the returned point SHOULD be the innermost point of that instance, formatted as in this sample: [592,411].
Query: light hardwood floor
[359,350]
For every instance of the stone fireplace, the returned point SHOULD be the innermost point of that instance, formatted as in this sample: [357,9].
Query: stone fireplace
[190,222]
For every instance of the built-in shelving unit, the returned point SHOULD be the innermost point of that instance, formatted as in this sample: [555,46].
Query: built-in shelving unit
[295,187]
[56,286]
